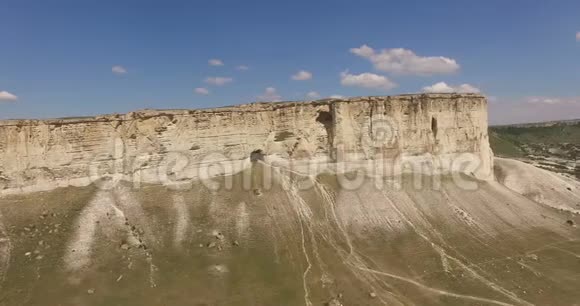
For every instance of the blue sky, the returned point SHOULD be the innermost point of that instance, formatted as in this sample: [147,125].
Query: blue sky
[57,58]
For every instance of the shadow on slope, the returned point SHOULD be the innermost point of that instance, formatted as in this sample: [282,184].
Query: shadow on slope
[286,244]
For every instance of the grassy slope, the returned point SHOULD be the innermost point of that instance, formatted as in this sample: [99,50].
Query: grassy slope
[504,146]
[507,140]
[297,246]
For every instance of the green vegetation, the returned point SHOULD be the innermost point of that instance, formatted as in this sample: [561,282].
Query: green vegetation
[553,146]
[554,134]
[512,141]
[504,146]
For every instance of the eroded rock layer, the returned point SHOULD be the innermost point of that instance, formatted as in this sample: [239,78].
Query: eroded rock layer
[157,146]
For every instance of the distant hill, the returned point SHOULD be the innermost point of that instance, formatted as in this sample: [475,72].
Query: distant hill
[539,124]
[551,145]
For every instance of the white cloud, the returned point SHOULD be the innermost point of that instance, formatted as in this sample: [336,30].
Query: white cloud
[366,80]
[302,75]
[313,95]
[218,81]
[6,96]
[543,100]
[215,62]
[438,87]
[337,97]
[404,61]
[442,87]
[467,88]
[363,51]
[552,100]
[578,36]
[270,95]
[201,91]
[243,67]
[119,70]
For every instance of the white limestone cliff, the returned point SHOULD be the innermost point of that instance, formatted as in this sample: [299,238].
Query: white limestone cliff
[436,130]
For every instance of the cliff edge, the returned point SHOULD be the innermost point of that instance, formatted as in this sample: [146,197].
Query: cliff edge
[404,133]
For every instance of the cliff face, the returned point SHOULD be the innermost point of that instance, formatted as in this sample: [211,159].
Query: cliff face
[299,240]
[157,145]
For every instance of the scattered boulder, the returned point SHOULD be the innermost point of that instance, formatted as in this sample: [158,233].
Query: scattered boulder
[570,222]
[257,192]
[219,269]
[334,302]
[44,214]
[372,295]
[91,291]
[532,256]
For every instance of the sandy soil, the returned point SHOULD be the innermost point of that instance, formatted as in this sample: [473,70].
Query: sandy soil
[509,242]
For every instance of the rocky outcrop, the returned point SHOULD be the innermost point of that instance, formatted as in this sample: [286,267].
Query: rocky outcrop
[156,146]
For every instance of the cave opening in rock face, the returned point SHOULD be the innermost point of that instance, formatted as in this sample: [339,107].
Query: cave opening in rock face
[257,155]
[325,118]
[434,126]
